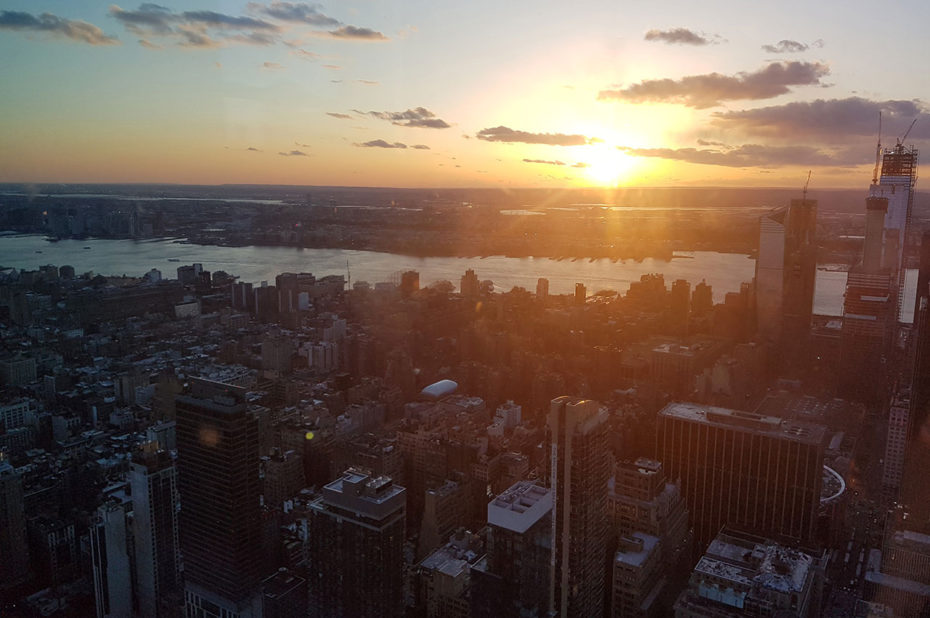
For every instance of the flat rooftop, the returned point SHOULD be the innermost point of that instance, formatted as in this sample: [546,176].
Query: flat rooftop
[750,562]
[750,422]
[521,506]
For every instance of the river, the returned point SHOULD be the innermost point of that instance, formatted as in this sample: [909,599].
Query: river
[723,271]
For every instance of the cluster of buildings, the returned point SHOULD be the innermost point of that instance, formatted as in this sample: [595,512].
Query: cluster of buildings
[202,446]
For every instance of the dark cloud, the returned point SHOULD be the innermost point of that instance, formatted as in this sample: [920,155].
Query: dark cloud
[149,45]
[294,153]
[678,36]
[756,155]
[298,12]
[543,161]
[56,26]
[219,20]
[272,66]
[420,147]
[359,34]
[510,136]
[711,89]
[253,149]
[831,118]
[340,116]
[419,117]
[202,29]
[367,82]
[380,143]
[786,46]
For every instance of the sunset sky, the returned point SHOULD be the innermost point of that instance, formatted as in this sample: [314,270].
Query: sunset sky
[440,94]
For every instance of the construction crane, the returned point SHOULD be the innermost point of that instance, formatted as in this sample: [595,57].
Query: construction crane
[878,151]
[908,132]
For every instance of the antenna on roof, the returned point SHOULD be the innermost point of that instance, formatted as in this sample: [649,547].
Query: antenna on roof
[878,151]
[804,193]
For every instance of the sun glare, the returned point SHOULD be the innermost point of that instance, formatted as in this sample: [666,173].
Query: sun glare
[607,166]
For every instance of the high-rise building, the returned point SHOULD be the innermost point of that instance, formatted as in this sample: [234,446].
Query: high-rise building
[638,577]
[581,294]
[542,289]
[896,184]
[785,272]
[469,284]
[680,306]
[357,548]
[895,444]
[744,575]
[284,595]
[155,504]
[111,549]
[641,499]
[702,299]
[14,566]
[742,468]
[515,580]
[409,282]
[579,469]
[218,479]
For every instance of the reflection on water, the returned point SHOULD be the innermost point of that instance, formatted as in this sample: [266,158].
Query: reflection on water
[723,271]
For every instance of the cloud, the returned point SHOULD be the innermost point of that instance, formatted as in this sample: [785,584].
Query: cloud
[419,117]
[294,153]
[420,147]
[358,34]
[832,118]
[306,55]
[340,116]
[298,12]
[53,25]
[580,164]
[253,149]
[334,67]
[198,29]
[296,143]
[679,36]
[367,82]
[543,161]
[756,155]
[786,46]
[707,142]
[272,66]
[510,136]
[149,45]
[380,143]
[711,89]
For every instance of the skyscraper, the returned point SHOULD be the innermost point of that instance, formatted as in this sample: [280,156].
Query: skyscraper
[155,501]
[869,308]
[785,273]
[356,548]
[110,555]
[516,579]
[14,548]
[742,468]
[218,479]
[579,470]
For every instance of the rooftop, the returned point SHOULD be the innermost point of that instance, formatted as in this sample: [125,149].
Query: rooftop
[635,549]
[521,506]
[751,562]
[774,426]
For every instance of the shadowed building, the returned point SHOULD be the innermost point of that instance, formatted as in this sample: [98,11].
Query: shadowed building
[218,478]
[742,468]
[579,470]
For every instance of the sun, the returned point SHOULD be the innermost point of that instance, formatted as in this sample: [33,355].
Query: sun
[608,166]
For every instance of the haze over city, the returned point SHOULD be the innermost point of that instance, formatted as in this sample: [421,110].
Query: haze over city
[478,94]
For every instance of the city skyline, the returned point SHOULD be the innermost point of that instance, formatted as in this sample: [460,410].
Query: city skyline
[466,96]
